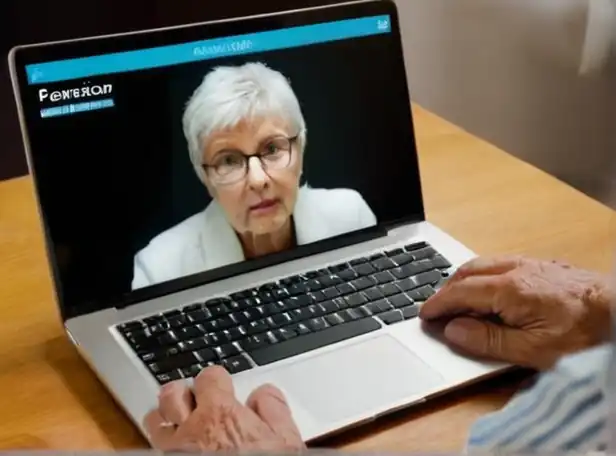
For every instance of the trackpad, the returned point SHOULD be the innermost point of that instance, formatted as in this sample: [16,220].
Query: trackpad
[362,378]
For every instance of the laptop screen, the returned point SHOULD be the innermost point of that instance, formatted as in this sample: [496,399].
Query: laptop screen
[175,157]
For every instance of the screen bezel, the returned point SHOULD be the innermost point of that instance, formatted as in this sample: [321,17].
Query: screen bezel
[33,54]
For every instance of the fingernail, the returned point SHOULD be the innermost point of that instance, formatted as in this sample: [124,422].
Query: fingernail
[456,332]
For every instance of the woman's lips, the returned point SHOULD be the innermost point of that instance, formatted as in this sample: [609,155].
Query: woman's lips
[264,206]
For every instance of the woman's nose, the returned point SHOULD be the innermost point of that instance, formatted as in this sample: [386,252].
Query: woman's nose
[257,177]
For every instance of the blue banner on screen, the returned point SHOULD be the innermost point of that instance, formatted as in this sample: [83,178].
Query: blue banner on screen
[121,62]
[76,108]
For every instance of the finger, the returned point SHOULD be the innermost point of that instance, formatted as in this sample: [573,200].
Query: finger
[486,266]
[490,340]
[176,402]
[476,295]
[269,403]
[161,435]
[213,384]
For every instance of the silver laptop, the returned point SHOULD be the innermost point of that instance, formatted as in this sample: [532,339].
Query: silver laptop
[243,193]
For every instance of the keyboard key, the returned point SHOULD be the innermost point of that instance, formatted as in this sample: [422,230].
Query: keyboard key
[383,264]
[168,338]
[383,277]
[389,289]
[256,327]
[192,307]
[317,324]
[236,333]
[373,294]
[441,262]
[331,293]
[358,261]
[407,284]
[384,305]
[190,332]
[192,345]
[171,314]
[174,362]
[373,308]
[192,371]
[330,281]
[338,268]
[178,321]
[422,254]
[355,300]
[348,275]
[254,342]
[351,315]
[364,269]
[363,283]
[403,258]
[391,317]
[280,320]
[285,334]
[416,246]
[330,307]
[197,316]
[422,293]
[410,312]
[314,285]
[153,320]
[227,350]
[400,300]
[313,341]
[393,253]
[243,294]
[298,289]
[428,278]
[345,289]
[206,355]
[168,377]
[236,364]
[281,293]
[334,319]
[377,256]
[217,308]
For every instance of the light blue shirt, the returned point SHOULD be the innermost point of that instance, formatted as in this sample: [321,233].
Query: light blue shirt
[567,409]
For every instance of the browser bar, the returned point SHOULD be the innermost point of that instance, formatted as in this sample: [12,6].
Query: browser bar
[64,70]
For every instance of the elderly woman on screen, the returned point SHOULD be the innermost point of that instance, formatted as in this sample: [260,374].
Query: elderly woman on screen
[246,136]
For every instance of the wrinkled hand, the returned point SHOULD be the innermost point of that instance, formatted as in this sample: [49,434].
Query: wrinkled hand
[210,418]
[523,311]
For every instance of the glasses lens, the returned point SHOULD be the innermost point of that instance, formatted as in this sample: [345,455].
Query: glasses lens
[229,167]
[276,154]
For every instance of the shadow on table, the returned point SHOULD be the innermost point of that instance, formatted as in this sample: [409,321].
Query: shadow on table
[92,395]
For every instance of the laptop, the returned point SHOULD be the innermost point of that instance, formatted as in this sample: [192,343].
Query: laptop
[243,193]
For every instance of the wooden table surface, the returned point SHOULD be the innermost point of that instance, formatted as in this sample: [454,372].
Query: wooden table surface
[492,202]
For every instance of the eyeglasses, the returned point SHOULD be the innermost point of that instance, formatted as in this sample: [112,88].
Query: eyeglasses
[230,167]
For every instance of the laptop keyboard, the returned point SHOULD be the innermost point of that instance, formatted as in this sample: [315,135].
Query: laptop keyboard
[295,315]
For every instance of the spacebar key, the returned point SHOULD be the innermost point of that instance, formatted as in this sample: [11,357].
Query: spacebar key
[312,341]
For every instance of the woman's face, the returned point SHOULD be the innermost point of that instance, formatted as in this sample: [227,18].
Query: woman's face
[263,201]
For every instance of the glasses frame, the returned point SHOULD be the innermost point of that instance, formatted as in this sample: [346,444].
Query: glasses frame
[292,142]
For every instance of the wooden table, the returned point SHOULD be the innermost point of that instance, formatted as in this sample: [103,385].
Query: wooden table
[491,201]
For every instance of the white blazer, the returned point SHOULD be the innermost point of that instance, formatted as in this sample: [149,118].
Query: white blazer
[207,241]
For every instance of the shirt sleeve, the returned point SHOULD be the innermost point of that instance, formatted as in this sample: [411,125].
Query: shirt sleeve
[566,410]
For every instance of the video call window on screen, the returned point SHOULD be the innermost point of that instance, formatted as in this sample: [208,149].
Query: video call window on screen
[169,162]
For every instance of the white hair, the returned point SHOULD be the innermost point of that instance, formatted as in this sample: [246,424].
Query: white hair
[228,95]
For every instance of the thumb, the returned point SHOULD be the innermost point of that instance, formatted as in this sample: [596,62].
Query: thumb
[269,403]
[491,340]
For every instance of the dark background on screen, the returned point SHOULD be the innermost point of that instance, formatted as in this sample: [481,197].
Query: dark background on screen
[107,191]
[28,21]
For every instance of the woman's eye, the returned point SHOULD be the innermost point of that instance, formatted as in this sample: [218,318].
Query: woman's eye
[230,160]
[272,149]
